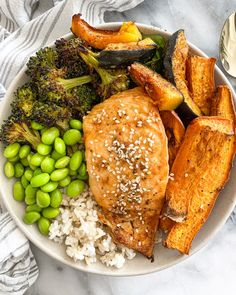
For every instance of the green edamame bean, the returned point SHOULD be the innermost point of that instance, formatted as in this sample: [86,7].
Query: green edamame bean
[37,171]
[59,146]
[36,126]
[19,170]
[59,174]
[28,174]
[49,187]
[34,208]
[55,155]
[30,191]
[14,159]
[11,150]
[42,199]
[31,217]
[83,177]
[50,135]
[56,198]
[24,151]
[76,160]
[36,159]
[18,191]
[24,162]
[43,130]
[50,212]
[9,170]
[30,200]
[82,170]
[40,180]
[72,136]
[32,167]
[72,172]
[44,225]
[30,195]
[24,181]
[64,182]
[62,162]
[48,165]
[44,149]
[76,124]
[75,188]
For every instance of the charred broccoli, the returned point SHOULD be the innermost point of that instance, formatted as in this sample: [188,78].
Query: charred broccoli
[112,81]
[27,107]
[50,81]
[86,98]
[69,57]
[14,130]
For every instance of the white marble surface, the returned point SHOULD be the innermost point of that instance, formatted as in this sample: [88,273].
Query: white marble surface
[213,269]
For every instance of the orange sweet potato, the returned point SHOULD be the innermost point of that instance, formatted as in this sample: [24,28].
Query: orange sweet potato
[201,83]
[201,169]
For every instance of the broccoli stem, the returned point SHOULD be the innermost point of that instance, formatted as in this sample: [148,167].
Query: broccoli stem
[74,82]
[90,60]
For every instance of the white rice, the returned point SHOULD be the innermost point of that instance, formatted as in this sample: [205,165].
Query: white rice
[85,238]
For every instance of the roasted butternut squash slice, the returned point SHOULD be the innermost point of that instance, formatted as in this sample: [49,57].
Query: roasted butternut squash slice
[222,104]
[99,39]
[206,154]
[201,81]
[163,93]
[194,169]
[123,54]
[175,131]
[175,71]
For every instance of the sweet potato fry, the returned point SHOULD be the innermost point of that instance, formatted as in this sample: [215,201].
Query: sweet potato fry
[196,162]
[222,104]
[200,76]
[206,155]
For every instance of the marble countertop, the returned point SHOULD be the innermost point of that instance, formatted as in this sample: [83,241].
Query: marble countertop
[213,269]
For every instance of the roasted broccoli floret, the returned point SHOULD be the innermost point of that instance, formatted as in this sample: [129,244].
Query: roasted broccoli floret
[24,100]
[87,97]
[69,57]
[54,88]
[26,107]
[43,62]
[112,81]
[14,130]
[50,81]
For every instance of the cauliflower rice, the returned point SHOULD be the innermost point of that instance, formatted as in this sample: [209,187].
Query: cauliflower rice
[84,236]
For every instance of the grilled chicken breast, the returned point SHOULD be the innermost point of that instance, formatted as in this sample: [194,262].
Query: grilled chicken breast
[127,162]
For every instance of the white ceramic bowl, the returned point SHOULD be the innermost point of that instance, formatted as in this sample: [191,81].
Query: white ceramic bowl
[139,265]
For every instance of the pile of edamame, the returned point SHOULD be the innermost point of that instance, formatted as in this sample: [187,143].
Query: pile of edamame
[57,166]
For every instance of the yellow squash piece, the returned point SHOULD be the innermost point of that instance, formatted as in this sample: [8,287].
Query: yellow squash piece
[99,39]
[165,95]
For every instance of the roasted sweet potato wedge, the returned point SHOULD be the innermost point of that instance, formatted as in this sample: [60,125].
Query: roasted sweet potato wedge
[222,104]
[201,81]
[175,131]
[99,39]
[204,172]
[197,167]
[164,94]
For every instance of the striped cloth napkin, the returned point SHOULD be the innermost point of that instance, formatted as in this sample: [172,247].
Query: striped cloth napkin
[22,34]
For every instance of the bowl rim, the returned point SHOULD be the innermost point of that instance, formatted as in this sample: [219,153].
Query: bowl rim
[82,267]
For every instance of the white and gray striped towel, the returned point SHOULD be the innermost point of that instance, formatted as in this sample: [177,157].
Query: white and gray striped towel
[23,30]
